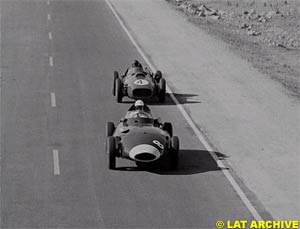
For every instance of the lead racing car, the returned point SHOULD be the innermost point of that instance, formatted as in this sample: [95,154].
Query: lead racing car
[141,138]
[139,83]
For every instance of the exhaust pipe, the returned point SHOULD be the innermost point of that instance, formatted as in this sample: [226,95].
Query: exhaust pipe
[144,153]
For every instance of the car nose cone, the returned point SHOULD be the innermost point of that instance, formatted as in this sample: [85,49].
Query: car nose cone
[144,153]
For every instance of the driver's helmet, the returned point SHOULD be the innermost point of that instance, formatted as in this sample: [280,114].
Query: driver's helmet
[139,105]
[136,63]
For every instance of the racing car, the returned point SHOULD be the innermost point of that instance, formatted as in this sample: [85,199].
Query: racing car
[139,83]
[141,138]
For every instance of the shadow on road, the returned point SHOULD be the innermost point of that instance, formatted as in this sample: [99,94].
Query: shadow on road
[190,162]
[182,99]
[185,98]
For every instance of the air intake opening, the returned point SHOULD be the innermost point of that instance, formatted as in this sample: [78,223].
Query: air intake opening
[141,92]
[145,157]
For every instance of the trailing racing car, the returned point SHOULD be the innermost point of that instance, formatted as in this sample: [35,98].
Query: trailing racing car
[139,83]
[141,138]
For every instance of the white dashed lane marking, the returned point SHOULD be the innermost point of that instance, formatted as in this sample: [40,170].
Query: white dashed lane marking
[51,61]
[53,99]
[56,162]
[56,168]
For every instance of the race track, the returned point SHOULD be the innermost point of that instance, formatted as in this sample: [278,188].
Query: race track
[57,63]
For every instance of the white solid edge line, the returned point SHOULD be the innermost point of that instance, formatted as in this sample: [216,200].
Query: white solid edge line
[200,136]
[56,162]
[50,35]
[51,61]
[53,99]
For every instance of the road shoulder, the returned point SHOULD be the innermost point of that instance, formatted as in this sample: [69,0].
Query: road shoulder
[248,117]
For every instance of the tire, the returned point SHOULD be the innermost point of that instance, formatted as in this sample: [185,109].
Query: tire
[111,151]
[110,128]
[162,90]
[167,126]
[157,76]
[116,76]
[174,153]
[119,95]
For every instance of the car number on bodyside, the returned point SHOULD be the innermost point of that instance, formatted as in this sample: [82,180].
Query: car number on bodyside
[156,142]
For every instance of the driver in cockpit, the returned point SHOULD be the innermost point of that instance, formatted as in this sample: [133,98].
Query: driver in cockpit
[139,110]
[136,67]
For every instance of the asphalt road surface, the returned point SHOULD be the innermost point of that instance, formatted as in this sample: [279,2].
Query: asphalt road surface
[57,61]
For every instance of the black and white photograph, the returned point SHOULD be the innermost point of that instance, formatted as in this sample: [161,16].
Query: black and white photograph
[149,114]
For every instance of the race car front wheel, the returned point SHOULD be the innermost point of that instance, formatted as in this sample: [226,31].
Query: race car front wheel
[167,126]
[116,76]
[111,151]
[110,128]
[119,94]
[174,153]
[157,76]
[162,90]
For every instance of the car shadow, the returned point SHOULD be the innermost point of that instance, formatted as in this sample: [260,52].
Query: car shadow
[182,99]
[190,162]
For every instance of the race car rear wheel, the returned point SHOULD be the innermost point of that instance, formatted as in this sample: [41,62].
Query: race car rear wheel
[111,151]
[119,94]
[167,126]
[110,128]
[162,90]
[174,153]
[116,76]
